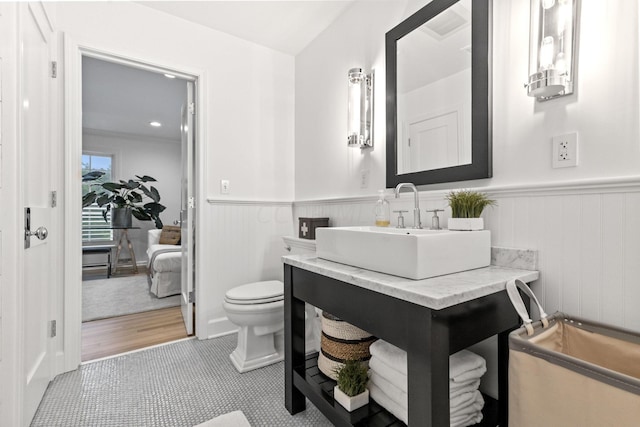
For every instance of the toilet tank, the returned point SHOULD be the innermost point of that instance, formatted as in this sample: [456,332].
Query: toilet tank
[296,246]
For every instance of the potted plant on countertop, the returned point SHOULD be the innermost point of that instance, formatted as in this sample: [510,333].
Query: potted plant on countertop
[466,208]
[351,390]
[125,198]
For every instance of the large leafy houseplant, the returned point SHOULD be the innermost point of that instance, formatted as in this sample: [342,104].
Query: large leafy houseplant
[133,194]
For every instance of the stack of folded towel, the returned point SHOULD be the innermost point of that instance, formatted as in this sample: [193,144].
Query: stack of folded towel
[388,383]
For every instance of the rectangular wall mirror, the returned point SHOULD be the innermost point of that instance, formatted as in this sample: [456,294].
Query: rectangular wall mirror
[439,94]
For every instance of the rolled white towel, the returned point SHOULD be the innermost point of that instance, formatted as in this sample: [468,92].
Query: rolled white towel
[457,404]
[395,393]
[389,404]
[461,403]
[390,354]
[398,380]
[463,365]
[457,388]
[466,420]
[474,403]
[384,370]
[469,416]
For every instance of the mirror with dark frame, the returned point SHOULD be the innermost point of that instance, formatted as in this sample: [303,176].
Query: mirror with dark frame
[438,94]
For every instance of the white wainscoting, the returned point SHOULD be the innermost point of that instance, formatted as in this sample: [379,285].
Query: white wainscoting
[587,235]
[244,244]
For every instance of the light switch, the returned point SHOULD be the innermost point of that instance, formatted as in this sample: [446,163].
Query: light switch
[224,186]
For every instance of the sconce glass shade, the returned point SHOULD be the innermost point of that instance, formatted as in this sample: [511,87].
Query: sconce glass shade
[360,109]
[552,42]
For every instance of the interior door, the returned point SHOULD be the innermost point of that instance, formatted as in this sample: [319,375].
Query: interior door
[187,217]
[434,142]
[36,40]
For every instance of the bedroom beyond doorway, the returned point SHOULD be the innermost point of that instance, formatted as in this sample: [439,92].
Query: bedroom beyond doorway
[119,314]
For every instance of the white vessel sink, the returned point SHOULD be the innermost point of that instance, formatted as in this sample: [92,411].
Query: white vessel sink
[405,252]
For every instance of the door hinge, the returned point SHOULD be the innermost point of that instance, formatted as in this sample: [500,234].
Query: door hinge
[54,199]
[54,69]
[191,203]
[52,329]
[192,297]
[192,108]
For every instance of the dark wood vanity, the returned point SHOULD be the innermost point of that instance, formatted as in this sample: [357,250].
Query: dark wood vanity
[428,336]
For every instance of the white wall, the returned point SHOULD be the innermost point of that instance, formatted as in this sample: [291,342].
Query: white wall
[250,88]
[142,156]
[245,246]
[581,220]
[248,121]
[603,110]
[325,167]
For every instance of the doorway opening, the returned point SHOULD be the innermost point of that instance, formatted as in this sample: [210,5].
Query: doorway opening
[137,154]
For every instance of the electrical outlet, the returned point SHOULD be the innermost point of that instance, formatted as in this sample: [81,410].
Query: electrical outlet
[224,186]
[364,178]
[565,150]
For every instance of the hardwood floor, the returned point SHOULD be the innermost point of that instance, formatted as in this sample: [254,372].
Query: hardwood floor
[107,337]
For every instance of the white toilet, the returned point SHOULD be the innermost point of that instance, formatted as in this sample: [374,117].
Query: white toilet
[258,309]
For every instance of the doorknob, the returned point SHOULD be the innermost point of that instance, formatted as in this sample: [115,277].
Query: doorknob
[41,233]
[177,222]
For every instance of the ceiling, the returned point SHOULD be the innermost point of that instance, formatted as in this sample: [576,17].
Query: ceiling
[286,26]
[122,99]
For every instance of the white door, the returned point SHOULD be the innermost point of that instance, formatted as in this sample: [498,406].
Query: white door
[187,217]
[434,142]
[36,40]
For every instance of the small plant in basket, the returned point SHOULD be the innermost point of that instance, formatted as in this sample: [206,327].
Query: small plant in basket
[351,390]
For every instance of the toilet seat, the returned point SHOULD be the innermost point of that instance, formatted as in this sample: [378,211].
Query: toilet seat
[256,293]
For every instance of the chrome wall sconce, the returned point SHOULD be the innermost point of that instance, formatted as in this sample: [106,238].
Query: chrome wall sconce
[552,48]
[360,109]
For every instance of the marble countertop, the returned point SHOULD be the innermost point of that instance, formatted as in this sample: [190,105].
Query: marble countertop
[435,293]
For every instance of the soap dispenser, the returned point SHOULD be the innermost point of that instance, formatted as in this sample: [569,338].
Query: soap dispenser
[382,211]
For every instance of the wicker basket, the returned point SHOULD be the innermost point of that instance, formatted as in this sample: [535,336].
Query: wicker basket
[341,341]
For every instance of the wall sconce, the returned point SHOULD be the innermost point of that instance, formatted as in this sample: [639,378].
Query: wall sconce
[552,44]
[360,113]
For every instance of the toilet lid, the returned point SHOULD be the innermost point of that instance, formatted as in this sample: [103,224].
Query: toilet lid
[256,293]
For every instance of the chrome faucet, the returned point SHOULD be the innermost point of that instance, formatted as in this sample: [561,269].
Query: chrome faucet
[416,208]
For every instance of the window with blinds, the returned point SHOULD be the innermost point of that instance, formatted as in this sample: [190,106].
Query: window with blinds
[94,227]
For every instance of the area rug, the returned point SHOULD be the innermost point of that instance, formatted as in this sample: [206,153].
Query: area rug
[118,296]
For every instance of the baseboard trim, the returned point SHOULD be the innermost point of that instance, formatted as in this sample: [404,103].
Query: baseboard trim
[220,327]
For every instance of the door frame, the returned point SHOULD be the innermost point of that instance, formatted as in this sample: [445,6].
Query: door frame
[73,171]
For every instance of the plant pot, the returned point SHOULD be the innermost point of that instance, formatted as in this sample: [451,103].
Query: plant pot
[351,403]
[465,224]
[121,217]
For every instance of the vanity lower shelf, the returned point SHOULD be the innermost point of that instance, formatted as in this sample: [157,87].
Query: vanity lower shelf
[319,390]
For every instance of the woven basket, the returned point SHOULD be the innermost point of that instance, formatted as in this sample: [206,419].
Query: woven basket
[336,328]
[341,341]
